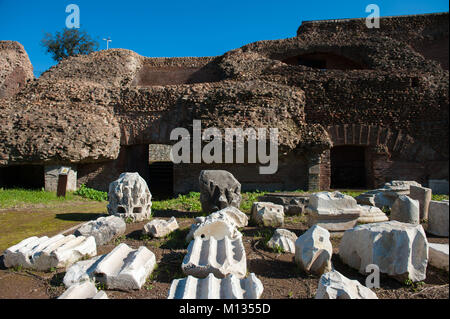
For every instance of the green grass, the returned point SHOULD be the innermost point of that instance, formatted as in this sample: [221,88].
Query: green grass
[189,203]
[91,193]
[18,224]
[439,197]
[248,198]
[353,193]
[22,197]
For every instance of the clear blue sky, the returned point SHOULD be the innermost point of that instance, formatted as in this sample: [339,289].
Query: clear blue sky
[182,28]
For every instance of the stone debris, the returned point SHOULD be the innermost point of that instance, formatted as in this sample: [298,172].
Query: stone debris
[43,253]
[423,195]
[334,285]
[230,287]
[371,214]
[219,257]
[223,223]
[313,251]
[386,196]
[406,210]
[85,290]
[219,189]
[400,250]
[293,204]
[129,197]
[284,239]
[81,271]
[125,267]
[438,222]
[438,255]
[333,211]
[103,229]
[160,228]
[268,214]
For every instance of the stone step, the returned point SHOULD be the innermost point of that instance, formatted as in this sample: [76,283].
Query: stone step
[43,253]
[125,267]
[230,287]
[220,257]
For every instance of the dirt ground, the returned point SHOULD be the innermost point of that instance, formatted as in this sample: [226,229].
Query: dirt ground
[280,276]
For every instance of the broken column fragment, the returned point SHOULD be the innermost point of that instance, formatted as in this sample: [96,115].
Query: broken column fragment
[313,251]
[334,285]
[400,250]
[268,214]
[333,211]
[43,253]
[85,290]
[160,228]
[230,287]
[219,257]
[223,223]
[125,267]
[103,229]
[283,239]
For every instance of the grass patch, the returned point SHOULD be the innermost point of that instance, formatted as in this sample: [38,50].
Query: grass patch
[16,225]
[18,197]
[439,197]
[176,239]
[189,203]
[91,193]
[353,193]
[248,198]
[264,235]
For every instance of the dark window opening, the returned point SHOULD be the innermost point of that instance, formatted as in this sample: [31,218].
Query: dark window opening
[348,169]
[22,176]
[325,60]
[161,180]
[317,64]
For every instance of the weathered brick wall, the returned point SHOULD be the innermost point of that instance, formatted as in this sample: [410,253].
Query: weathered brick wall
[426,33]
[15,68]
[132,158]
[170,71]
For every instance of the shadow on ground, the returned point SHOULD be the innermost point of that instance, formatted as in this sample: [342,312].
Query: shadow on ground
[169,268]
[176,213]
[78,217]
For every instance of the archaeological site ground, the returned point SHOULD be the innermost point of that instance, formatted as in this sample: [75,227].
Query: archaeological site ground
[96,203]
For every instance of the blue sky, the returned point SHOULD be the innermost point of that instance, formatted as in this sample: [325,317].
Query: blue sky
[182,28]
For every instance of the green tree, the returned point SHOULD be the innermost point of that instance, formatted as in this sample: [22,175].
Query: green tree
[67,43]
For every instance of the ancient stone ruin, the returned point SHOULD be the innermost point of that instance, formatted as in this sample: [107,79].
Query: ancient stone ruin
[355,108]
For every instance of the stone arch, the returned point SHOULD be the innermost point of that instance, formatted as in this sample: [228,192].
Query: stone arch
[388,154]
[382,140]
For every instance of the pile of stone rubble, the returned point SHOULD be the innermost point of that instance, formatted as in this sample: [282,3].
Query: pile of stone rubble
[216,265]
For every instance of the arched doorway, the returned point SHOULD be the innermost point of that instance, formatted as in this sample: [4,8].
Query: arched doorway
[348,167]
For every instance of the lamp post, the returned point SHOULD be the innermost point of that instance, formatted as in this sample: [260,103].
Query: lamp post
[107,42]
